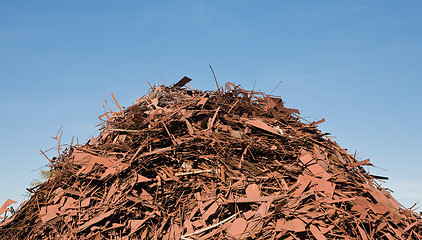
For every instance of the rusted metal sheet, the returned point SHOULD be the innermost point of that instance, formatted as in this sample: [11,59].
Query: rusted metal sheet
[4,208]
[182,82]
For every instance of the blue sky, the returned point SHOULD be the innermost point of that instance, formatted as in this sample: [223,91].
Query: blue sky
[355,63]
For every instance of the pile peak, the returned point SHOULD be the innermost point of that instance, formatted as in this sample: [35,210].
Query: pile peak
[181,163]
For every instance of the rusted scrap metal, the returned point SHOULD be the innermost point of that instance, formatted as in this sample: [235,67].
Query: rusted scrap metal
[4,208]
[182,82]
[230,164]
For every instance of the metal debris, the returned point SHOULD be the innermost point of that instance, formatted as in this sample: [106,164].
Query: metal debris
[230,164]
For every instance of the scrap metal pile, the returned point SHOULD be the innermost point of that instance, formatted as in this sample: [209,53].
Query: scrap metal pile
[229,164]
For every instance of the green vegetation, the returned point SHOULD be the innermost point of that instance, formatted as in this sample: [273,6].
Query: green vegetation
[43,175]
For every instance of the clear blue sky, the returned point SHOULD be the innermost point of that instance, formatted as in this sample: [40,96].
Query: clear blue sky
[355,63]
